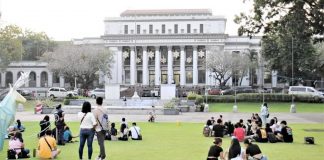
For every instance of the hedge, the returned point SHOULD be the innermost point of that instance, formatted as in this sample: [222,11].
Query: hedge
[268,97]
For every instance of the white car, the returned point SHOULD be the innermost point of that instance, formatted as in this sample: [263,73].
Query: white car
[305,90]
[97,93]
[56,92]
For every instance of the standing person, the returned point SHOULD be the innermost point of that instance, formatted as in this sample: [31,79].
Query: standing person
[59,123]
[47,146]
[216,150]
[135,132]
[45,125]
[101,116]
[253,150]
[87,124]
[264,113]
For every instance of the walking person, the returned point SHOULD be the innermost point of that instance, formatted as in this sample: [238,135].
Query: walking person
[264,113]
[101,116]
[87,124]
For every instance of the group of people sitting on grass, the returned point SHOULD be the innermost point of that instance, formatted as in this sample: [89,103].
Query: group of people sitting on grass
[250,151]
[254,128]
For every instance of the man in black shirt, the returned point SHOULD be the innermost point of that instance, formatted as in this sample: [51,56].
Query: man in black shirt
[216,150]
[219,129]
[286,133]
[261,134]
[59,123]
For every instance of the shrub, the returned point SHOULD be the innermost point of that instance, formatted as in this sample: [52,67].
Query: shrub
[191,96]
[169,104]
[66,101]
[199,99]
[268,97]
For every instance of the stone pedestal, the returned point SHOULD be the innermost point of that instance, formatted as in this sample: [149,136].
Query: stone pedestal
[112,91]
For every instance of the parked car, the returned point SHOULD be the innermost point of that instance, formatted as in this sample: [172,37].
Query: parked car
[25,93]
[239,89]
[97,93]
[56,92]
[305,90]
[215,91]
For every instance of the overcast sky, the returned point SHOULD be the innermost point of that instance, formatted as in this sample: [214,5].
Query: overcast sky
[68,19]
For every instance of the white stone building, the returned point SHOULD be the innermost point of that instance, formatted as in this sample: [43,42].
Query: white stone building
[153,47]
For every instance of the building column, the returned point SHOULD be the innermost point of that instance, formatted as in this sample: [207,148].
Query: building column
[157,65]
[274,76]
[195,66]
[38,79]
[3,79]
[182,66]
[50,79]
[62,81]
[120,65]
[145,67]
[170,65]
[14,77]
[132,66]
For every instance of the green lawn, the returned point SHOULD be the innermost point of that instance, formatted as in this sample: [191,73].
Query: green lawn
[274,107]
[163,141]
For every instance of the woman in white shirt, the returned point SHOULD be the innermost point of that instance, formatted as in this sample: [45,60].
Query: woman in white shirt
[87,132]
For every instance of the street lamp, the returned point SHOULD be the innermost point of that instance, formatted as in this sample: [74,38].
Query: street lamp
[235,101]
[292,106]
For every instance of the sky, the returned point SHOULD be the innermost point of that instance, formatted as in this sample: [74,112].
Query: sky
[69,19]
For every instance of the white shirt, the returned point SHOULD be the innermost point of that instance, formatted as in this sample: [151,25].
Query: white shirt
[134,133]
[89,120]
[264,111]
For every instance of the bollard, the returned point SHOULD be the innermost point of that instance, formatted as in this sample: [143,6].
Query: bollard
[293,108]
[235,108]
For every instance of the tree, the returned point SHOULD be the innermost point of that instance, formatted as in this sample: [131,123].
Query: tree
[319,47]
[80,62]
[36,44]
[288,27]
[226,64]
[11,48]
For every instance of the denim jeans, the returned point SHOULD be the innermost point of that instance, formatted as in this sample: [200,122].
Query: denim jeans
[86,135]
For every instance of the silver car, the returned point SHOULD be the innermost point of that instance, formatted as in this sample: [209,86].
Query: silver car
[97,93]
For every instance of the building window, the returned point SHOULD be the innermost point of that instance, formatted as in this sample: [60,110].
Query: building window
[151,29]
[163,28]
[127,76]
[138,29]
[176,28]
[188,28]
[201,76]
[189,78]
[125,29]
[201,28]
[139,76]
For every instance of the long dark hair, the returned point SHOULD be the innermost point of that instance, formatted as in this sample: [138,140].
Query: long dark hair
[18,123]
[18,135]
[86,107]
[235,149]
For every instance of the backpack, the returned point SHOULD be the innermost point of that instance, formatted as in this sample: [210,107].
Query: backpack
[103,121]
[206,131]
[272,138]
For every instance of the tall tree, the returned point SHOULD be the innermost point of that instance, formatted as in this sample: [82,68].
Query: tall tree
[36,44]
[80,62]
[225,65]
[11,48]
[288,27]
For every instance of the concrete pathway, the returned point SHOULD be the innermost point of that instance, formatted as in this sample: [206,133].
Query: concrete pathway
[195,117]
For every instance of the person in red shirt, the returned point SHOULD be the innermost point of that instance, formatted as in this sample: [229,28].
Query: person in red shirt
[239,132]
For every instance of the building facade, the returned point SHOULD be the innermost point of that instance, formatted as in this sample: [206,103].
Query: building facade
[153,47]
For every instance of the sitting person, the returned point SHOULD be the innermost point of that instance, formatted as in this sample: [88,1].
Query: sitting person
[216,150]
[207,128]
[17,143]
[219,129]
[268,128]
[212,120]
[19,127]
[276,128]
[286,134]
[151,117]
[10,132]
[123,132]
[249,127]
[47,146]
[235,152]
[45,125]
[112,134]
[135,132]
[229,128]
[261,134]
[253,151]
[67,135]
[239,132]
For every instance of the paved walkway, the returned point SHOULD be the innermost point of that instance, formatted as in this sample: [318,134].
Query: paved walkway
[195,117]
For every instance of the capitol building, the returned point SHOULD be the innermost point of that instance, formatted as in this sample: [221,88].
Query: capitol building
[154,47]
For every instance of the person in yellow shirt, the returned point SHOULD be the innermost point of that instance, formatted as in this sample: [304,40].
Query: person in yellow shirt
[47,146]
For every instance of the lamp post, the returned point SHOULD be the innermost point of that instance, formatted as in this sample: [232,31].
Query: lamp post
[292,106]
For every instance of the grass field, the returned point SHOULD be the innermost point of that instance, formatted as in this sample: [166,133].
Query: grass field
[273,107]
[170,141]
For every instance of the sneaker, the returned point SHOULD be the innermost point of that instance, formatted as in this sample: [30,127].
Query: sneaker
[98,158]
